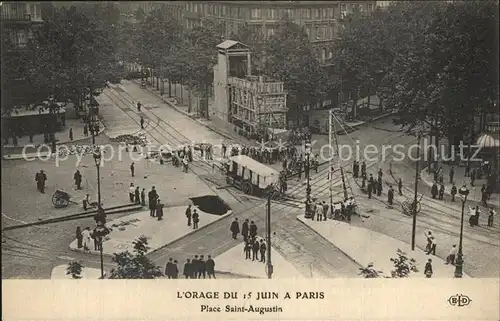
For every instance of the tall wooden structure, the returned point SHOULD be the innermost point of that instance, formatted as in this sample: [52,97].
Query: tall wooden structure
[252,104]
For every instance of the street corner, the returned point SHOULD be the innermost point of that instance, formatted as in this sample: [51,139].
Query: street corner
[233,262]
[60,273]
[160,233]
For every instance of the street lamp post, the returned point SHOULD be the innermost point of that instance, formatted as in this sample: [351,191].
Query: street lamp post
[97,159]
[463,191]
[269,267]
[307,148]
[415,196]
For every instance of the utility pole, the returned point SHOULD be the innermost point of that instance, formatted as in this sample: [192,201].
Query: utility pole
[415,196]
[330,171]
[338,155]
[268,234]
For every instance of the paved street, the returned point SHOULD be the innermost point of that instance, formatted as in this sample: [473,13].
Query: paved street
[33,252]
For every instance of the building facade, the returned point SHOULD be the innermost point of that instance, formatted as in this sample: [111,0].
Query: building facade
[18,20]
[321,19]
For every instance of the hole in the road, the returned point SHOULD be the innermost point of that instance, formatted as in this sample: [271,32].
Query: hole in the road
[211,204]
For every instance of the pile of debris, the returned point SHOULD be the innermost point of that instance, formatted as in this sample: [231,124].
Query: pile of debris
[140,139]
[74,150]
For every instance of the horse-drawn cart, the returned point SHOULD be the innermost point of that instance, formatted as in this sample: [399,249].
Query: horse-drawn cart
[61,199]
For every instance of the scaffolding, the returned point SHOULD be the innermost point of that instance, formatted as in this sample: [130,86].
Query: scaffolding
[256,105]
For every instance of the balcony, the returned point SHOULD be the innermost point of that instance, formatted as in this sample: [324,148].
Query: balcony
[13,17]
[257,85]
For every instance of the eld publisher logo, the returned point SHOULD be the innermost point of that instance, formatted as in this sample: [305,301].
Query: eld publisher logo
[459,300]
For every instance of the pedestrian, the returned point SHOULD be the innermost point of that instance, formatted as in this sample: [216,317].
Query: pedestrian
[186,271]
[175,270]
[31,137]
[428,269]
[152,196]
[196,219]
[137,196]
[253,230]
[79,238]
[210,264]
[139,105]
[432,249]
[85,130]
[451,257]
[244,230]
[380,173]
[434,190]
[453,192]
[441,192]
[143,197]
[428,236]
[131,193]
[247,249]
[379,186]
[235,228]
[319,211]
[71,134]
[159,209]
[86,239]
[390,195]
[452,174]
[39,179]
[185,164]
[188,214]
[95,241]
[369,189]
[491,216]
[262,249]
[195,263]
[169,268]
[132,169]
[202,268]
[363,169]
[473,174]
[78,179]
[142,122]
[400,187]
[484,198]
[325,210]
[255,250]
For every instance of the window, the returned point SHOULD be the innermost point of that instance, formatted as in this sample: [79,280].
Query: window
[330,13]
[307,13]
[256,13]
[316,33]
[234,12]
[316,14]
[224,10]
[272,14]
[270,32]
[195,7]
[308,31]
[330,54]
[288,13]
[323,54]
[324,12]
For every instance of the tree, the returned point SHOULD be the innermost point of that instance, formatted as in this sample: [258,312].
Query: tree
[135,265]
[291,60]
[75,269]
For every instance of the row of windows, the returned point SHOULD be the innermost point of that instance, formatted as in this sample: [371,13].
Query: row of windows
[21,11]
[275,13]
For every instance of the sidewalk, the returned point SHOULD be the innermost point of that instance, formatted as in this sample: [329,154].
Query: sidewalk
[233,262]
[172,228]
[365,246]
[459,179]
[59,273]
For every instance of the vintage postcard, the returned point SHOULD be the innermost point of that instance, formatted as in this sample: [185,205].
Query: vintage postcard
[250,160]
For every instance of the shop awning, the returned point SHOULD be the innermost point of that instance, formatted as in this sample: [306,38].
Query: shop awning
[488,140]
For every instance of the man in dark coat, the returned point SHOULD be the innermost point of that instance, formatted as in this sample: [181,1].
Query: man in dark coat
[441,192]
[210,264]
[143,197]
[159,209]
[169,268]
[247,249]
[188,215]
[78,179]
[369,189]
[244,230]
[363,168]
[137,195]
[195,266]
[434,190]
[253,230]
[452,174]
[390,195]
[132,169]
[262,249]
[152,196]
[196,219]
[428,269]
[202,268]
[235,228]
[186,271]
[379,186]
[400,187]
[372,180]
[142,122]
[453,192]
[472,176]
[255,250]
[175,270]
[40,179]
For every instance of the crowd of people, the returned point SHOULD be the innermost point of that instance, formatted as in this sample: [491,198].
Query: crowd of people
[196,268]
[253,244]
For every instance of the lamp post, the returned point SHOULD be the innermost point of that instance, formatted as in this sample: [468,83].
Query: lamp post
[269,266]
[307,149]
[100,232]
[97,159]
[415,195]
[463,191]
